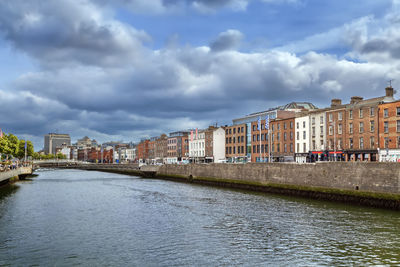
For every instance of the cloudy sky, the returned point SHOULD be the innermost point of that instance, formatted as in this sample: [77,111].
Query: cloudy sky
[128,69]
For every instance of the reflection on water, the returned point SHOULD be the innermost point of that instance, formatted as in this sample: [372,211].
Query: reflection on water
[70,217]
[7,190]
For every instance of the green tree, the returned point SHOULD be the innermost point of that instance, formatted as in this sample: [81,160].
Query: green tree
[61,156]
[21,149]
[13,144]
[4,147]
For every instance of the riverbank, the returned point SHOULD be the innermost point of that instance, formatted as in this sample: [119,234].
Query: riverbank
[11,176]
[361,183]
[368,184]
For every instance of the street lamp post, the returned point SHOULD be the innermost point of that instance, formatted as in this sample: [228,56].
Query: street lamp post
[334,138]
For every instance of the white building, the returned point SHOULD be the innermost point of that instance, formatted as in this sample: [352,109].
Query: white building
[197,148]
[218,144]
[127,154]
[66,151]
[302,138]
[318,131]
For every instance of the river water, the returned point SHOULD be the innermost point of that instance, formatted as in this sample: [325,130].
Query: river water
[72,217]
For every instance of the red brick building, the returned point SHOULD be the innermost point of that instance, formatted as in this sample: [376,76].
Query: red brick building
[236,143]
[142,150]
[161,148]
[279,145]
[389,125]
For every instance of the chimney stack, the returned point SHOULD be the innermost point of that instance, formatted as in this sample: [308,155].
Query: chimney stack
[355,99]
[389,91]
[336,102]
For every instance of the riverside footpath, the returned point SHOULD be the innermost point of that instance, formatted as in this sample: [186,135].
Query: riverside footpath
[373,184]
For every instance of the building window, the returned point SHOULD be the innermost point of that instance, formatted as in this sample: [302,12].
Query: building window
[272,148]
[361,143]
[272,126]
[278,136]
[361,114]
[398,111]
[278,147]
[340,116]
[291,135]
[371,111]
[262,137]
[339,144]
[386,143]
[254,137]
[291,125]
[398,126]
[230,131]
[304,147]
[313,145]
[234,139]
[321,130]
[297,125]
[313,121]
[242,129]
[254,149]
[330,117]
[361,130]
[350,114]
[284,136]
[304,135]
[372,126]
[385,113]
[385,127]
[284,126]
[242,149]
[230,150]
[279,126]
[298,148]
[304,124]
[225,131]
[321,119]
[230,140]
[258,137]
[313,131]
[398,141]
[340,128]
[298,135]
[372,141]
[272,136]
[285,148]
[234,130]
[291,147]
[262,149]
[234,150]
[330,130]
[351,128]
[254,127]
[351,143]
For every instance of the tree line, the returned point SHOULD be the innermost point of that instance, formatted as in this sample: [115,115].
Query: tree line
[12,147]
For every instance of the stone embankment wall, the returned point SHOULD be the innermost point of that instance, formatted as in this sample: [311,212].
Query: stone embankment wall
[371,177]
[20,172]
[368,184]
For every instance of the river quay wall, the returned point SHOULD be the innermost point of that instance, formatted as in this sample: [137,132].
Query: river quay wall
[16,174]
[372,184]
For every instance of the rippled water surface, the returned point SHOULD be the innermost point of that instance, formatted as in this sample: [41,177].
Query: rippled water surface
[71,217]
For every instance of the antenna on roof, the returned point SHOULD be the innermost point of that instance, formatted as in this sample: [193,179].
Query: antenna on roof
[390,82]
